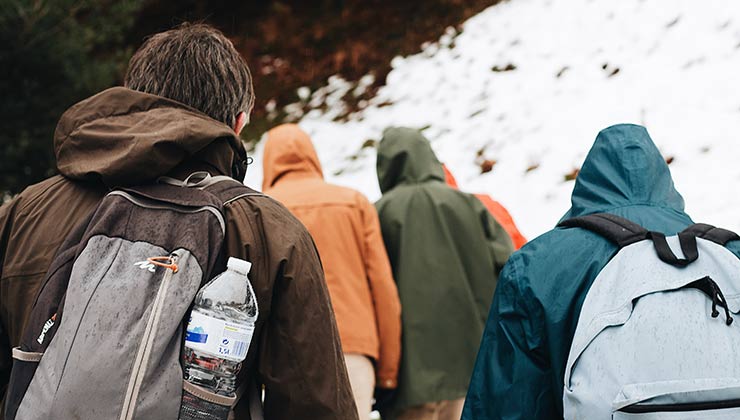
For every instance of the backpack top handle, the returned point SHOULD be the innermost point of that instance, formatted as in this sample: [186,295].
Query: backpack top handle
[688,247]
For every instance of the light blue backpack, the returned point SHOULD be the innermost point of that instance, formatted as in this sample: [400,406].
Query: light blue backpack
[655,337]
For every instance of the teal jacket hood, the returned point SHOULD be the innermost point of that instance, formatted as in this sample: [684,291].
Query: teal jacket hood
[406,157]
[623,168]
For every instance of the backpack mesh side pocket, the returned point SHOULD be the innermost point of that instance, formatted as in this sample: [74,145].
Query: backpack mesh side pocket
[199,404]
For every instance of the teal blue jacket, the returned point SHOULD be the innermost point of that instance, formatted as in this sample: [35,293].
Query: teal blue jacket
[520,366]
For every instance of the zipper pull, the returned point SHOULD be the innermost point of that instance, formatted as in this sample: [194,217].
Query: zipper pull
[166,262]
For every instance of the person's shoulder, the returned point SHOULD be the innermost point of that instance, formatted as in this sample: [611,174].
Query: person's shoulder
[269,214]
[389,198]
[345,194]
[34,193]
[353,195]
[420,196]
[549,259]
[403,192]
[441,190]
[255,202]
[734,247]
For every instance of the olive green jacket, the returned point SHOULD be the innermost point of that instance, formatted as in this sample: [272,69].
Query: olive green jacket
[446,252]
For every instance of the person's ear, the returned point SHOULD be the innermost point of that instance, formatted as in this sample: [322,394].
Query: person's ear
[240,122]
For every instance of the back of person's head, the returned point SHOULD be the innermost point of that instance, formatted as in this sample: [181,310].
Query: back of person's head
[197,65]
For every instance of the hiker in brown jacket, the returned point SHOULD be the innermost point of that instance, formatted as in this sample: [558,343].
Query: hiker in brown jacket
[346,229]
[188,94]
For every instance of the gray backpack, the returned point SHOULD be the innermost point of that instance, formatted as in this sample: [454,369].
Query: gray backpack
[655,338]
[103,340]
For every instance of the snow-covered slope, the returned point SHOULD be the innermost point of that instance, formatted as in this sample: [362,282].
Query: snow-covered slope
[578,66]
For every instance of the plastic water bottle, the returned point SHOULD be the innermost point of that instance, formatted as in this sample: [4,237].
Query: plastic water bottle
[220,329]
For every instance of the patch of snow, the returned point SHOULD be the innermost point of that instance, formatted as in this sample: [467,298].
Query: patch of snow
[271,106]
[565,70]
[365,82]
[303,92]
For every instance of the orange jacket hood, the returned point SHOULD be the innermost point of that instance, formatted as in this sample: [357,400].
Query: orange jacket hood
[289,152]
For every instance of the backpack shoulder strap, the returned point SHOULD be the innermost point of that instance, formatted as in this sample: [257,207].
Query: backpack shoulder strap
[230,190]
[624,232]
[616,229]
[225,188]
[713,234]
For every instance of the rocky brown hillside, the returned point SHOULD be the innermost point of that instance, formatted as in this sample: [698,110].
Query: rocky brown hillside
[295,43]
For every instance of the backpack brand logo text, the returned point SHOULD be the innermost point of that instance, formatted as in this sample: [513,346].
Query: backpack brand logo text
[146,265]
[47,325]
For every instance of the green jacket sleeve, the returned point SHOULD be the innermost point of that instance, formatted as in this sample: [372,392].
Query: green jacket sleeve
[511,379]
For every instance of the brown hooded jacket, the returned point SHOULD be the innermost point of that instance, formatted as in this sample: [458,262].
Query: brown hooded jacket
[346,230]
[122,137]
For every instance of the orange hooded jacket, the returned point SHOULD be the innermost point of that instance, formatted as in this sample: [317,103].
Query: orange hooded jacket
[497,210]
[346,229]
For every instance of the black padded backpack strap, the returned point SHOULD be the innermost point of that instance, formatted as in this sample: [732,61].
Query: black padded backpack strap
[616,229]
[711,233]
[624,232]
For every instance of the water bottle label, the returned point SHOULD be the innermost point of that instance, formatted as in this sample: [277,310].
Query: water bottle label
[218,337]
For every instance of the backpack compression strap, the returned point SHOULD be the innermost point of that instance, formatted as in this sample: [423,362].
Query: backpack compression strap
[623,232]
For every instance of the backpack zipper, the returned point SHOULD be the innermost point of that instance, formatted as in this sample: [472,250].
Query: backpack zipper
[680,407]
[145,346]
[152,204]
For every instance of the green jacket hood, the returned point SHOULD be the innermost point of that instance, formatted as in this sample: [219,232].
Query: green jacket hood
[406,157]
[624,167]
[125,137]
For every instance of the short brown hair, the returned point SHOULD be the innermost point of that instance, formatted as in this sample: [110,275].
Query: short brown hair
[197,65]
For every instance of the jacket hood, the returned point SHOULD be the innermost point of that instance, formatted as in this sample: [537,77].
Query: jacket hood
[289,153]
[125,137]
[406,157]
[624,167]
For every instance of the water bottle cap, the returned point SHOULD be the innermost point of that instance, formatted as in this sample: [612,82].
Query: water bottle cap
[238,265]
